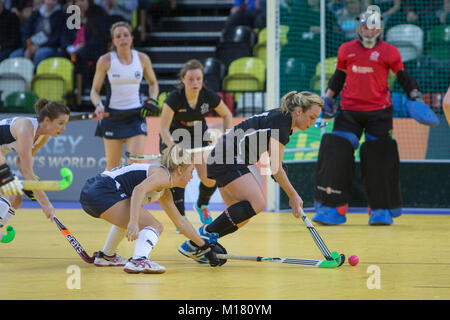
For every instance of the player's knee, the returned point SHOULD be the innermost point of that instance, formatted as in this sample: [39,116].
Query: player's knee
[241,211]
[258,204]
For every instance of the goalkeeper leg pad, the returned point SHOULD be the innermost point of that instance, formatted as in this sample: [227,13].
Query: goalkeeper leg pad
[380,174]
[334,171]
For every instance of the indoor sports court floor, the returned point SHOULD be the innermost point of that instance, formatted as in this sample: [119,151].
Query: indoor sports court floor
[409,260]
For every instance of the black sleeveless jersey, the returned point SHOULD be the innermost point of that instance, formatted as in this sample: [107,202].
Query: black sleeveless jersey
[247,141]
[186,117]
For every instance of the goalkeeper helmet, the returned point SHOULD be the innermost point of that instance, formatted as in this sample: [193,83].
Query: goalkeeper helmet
[369,27]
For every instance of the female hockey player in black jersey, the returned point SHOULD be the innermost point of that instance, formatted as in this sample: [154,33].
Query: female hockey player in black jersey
[183,121]
[228,164]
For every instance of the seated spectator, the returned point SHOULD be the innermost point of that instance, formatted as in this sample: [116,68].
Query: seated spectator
[346,18]
[10,32]
[246,13]
[418,12]
[445,13]
[119,10]
[42,32]
[88,42]
[23,8]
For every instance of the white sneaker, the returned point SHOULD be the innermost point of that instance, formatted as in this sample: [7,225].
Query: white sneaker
[102,260]
[143,265]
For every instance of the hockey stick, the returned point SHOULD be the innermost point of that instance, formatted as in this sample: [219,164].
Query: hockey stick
[159,155]
[304,262]
[86,116]
[50,185]
[74,242]
[322,247]
[9,236]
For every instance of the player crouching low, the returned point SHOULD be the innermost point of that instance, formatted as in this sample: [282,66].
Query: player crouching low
[117,196]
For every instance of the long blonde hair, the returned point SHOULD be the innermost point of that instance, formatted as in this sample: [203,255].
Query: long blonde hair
[175,157]
[304,99]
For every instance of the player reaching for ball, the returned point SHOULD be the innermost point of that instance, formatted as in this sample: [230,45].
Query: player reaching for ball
[26,135]
[243,146]
[117,196]
[361,78]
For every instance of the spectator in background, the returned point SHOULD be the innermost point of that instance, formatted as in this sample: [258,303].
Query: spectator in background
[89,42]
[247,13]
[346,18]
[421,13]
[42,33]
[10,32]
[23,8]
[445,13]
[119,10]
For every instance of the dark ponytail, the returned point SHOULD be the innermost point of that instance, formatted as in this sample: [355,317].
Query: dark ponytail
[50,109]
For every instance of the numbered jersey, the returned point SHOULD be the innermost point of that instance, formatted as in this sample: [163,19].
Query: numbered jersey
[247,141]
[8,142]
[129,176]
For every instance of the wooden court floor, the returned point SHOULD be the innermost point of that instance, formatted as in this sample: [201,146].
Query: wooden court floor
[409,260]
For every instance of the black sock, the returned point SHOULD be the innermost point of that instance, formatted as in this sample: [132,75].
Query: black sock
[205,194]
[178,199]
[227,222]
[222,225]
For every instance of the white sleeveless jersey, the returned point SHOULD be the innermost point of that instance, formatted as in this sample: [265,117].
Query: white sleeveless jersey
[125,81]
[129,176]
[11,144]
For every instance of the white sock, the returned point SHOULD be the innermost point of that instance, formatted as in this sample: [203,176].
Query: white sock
[146,241]
[6,211]
[115,235]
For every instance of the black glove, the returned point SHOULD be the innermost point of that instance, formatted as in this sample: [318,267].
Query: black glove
[5,174]
[210,251]
[150,108]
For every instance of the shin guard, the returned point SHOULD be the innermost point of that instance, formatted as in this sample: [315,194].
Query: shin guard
[380,173]
[334,171]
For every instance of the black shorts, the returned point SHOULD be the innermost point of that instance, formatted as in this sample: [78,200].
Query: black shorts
[99,194]
[122,127]
[377,123]
[226,173]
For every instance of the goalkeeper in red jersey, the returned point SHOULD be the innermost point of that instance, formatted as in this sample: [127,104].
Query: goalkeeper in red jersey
[361,79]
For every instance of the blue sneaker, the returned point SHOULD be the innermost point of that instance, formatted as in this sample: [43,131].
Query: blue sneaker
[189,250]
[380,217]
[208,236]
[328,215]
[203,213]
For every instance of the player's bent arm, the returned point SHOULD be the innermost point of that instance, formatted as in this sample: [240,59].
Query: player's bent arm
[165,121]
[150,76]
[182,224]
[276,151]
[223,111]
[102,67]
[25,135]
